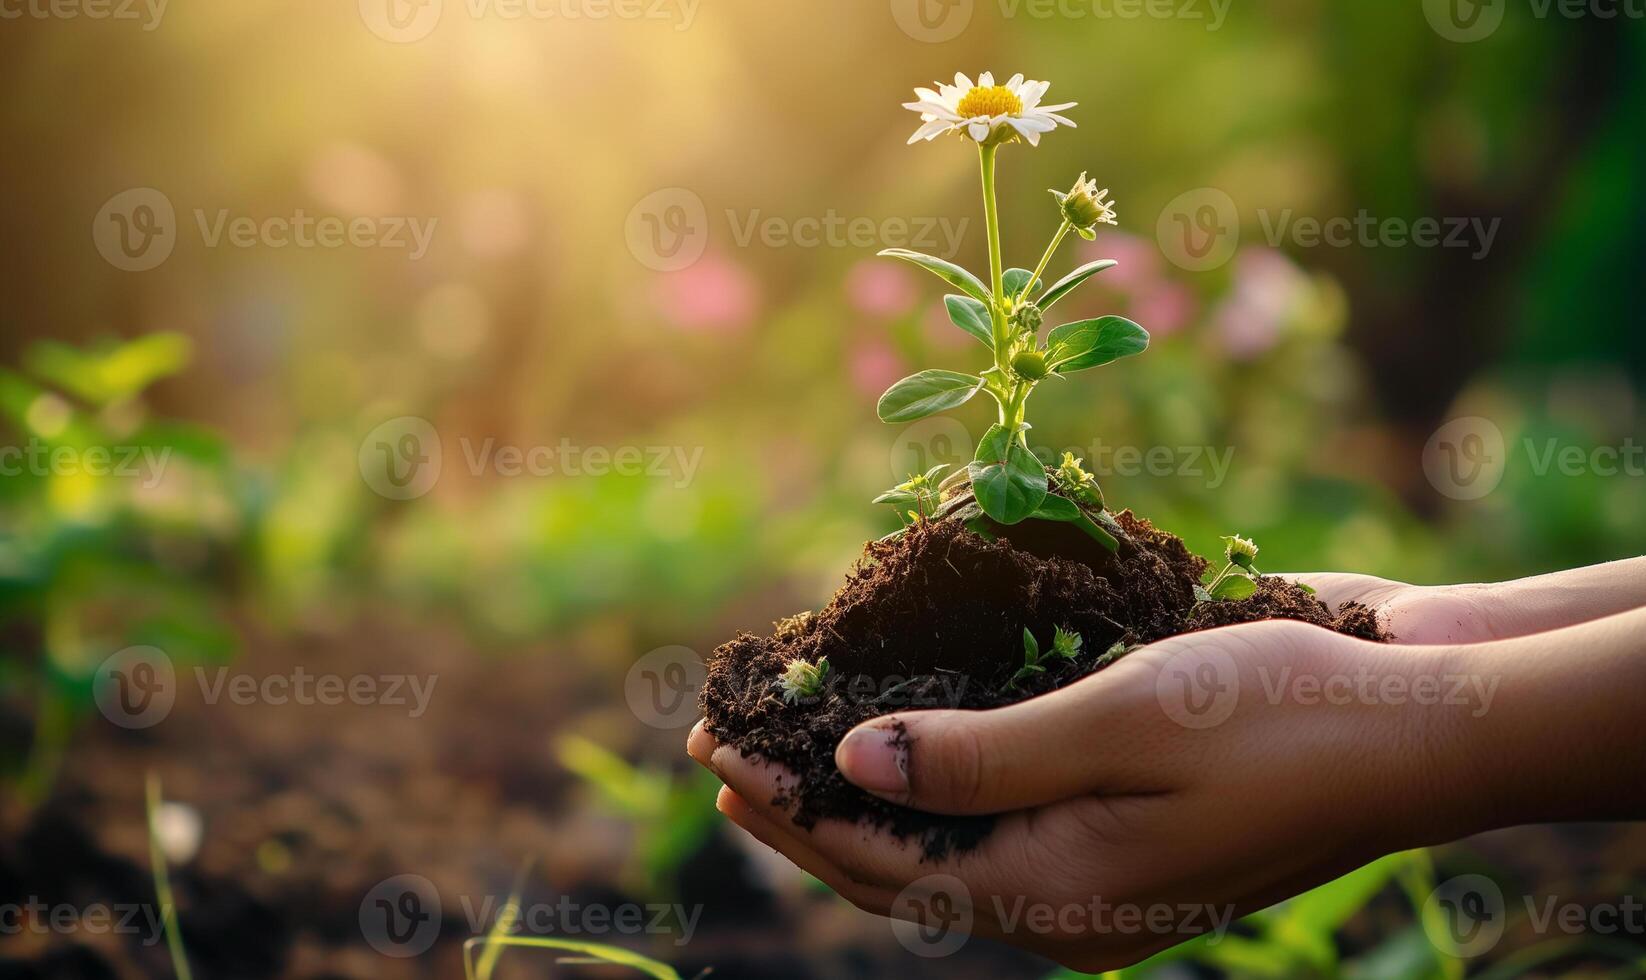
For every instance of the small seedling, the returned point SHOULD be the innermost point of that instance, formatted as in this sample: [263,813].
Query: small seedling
[802,680]
[1006,314]
[919,491]
[1238,579]
[1066,645]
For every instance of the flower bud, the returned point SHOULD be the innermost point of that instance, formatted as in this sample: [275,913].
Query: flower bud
[1027,318]
[1030,365]
[1085,207]
[1240,551]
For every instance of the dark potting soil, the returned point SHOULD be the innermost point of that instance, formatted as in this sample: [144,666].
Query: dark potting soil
[934,619]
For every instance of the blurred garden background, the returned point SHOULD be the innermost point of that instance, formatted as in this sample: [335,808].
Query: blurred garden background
[497,346]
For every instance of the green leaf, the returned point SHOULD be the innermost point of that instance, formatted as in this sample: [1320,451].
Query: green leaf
[1013,281]
[895,497]
[1056,508]
[1091,343]
[1031,647]
[1234,587]
[923,394]
[971,316]
[1008,480]
[1200,594]
[950,273]
[1067,284]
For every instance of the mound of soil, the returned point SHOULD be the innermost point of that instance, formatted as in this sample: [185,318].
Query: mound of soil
[934,619]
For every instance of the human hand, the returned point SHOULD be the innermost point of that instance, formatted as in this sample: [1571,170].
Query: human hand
[1117,795]
[1213,774]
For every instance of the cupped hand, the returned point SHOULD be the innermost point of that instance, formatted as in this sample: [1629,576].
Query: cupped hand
[1197,780]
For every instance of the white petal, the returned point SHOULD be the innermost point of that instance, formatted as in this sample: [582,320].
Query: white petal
[1057,108]
[1015,82]
[1029,132]
[927,95]
[931,130]
[1032,93]
[931,109]
[979,129]
[986,80]
[1036,123]
[963,83]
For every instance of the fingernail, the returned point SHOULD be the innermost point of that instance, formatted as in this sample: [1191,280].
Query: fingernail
[877,759]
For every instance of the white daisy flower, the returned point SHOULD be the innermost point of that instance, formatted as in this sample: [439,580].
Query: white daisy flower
[986,112]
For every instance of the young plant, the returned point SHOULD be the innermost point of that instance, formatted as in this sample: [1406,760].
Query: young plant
[1006,315]
[802,680]
[1065,645]
[919,491]
[1238,579]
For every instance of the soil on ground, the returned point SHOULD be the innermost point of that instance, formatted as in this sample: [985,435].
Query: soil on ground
[934,618]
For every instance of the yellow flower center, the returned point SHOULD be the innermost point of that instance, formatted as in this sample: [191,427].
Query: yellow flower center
[996,100]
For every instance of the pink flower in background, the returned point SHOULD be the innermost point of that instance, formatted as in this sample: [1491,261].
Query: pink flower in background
[880,288]
[873,367]
[940,330]
[713,295]
[1267,287]
[1164,308]
[1139,260]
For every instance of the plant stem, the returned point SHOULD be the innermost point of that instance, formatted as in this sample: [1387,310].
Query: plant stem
[991,219]
[162,883]
[1051,249]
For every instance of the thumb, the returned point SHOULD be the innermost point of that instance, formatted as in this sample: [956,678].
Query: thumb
[1084,738]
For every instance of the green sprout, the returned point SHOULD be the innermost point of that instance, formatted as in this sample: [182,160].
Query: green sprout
[1005,315]
[1066,645]
[1238,579]
[803,680]
[920,490]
